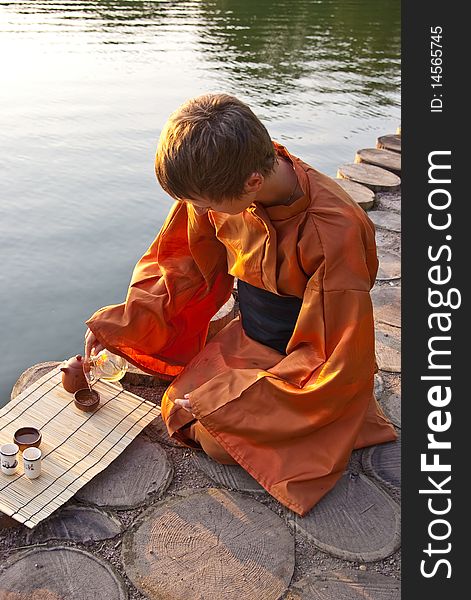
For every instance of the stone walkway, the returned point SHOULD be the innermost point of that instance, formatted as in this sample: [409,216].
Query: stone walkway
[166,522]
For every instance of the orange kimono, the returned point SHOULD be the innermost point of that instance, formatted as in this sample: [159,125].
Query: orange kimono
[291,420]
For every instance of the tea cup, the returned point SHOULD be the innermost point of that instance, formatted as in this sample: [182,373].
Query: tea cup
[32,462]
[9,458]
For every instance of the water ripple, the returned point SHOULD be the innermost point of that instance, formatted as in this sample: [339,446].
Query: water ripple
[86,88]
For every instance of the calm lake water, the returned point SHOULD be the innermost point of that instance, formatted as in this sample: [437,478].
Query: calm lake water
[85,89]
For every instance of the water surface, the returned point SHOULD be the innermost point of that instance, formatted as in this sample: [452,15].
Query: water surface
[85,89]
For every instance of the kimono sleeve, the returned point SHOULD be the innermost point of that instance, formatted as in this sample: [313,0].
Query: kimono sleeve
[176,288]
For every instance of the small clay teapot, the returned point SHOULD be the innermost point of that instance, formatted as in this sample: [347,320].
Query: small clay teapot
[73,377]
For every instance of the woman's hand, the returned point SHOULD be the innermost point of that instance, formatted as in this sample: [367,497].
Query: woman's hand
[92,343]
[184,403]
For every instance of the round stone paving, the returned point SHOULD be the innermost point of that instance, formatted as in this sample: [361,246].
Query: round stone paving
[207,546]
[388,347]
[391,406]
[31,375]
[387,304]
[345,585]
[233,477]
[156,431]
[379,386]
[388,241]
[360,193]
[140,471]
[76,523]
[224,316]
[136,377]
[380,158]
[383,462]
[376,178]
[390,202]
[386,219]
[389,266]
[355,521]
[389,142]
[57,573]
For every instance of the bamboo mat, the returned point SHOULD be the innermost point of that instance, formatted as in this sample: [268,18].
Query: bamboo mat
[76,445]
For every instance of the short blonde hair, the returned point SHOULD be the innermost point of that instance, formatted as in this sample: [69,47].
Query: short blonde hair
[210,146]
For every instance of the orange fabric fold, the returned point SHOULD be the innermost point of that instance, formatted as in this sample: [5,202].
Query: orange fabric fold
[290,420]
[176,287]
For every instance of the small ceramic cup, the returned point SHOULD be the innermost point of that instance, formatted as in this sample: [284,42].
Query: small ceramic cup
[9,458]
[25,437]
[87,399]
[32,462]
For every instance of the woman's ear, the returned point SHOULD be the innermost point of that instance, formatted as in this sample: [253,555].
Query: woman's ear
[253,183]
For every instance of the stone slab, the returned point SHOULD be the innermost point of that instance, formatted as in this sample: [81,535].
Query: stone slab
[76,524]
[389,266]
[390,202]
[388,347]
[391,161]
[36,595]
[135,376]
[141,471]
[375,178]
[389,142]
[362,195]
[355,521]
[224,316]
[383,463]
[56,573]
[385,219]
[7,522]
[354,462]
[391,406]
[209,545]
[156,431]
[232,477]
[387,305]
[379,386]
[388,240]
[345,585]
[31,375]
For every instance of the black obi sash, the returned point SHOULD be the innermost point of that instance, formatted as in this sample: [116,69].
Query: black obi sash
[266,317]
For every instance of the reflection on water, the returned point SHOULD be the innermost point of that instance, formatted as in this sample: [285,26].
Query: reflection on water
[275,46]
[86,87]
